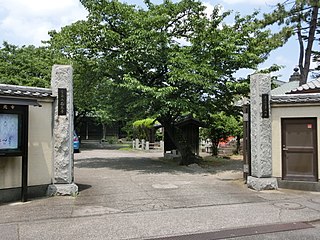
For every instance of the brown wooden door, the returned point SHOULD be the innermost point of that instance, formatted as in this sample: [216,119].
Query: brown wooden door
[299,149]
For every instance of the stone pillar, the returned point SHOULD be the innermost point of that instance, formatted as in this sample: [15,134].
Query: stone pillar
[137,143]
[143,144]
[133,144]
[63,172]
[261,134]
[147,145]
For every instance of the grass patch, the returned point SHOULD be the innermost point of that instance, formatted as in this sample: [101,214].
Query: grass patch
[126,149]
[213,161]
[218,161]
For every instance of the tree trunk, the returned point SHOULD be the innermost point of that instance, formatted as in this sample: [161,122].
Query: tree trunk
[180,141]
[215,145]
[104,131]
[238,145]
[305,66]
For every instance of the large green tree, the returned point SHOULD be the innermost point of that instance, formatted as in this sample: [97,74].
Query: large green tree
[169,59]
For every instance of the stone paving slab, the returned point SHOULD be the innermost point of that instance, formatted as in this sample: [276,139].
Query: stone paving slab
[152,224]
[136,196]
[9,232]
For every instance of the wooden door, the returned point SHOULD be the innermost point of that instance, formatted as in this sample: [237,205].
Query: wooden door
[299,149]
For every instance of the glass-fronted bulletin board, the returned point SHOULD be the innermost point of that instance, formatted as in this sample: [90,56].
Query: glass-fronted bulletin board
[10,132]
[14,137]
[12,129]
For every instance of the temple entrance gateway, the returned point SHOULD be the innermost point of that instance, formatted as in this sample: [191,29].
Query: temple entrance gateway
[299,149]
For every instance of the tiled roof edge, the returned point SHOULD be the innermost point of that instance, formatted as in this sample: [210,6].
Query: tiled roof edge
[309,86]
[23,91]
[297,98]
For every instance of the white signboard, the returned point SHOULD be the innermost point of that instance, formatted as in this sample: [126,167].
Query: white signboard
[9,129]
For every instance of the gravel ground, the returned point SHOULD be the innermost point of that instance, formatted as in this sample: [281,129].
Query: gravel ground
[223,166]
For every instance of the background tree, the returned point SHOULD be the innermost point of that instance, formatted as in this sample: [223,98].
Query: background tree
[220,127]
[103,117]
[169,59]
[144,128]
[302,16]
[27,65]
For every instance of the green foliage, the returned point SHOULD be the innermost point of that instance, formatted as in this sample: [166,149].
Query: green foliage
[147,123]
[142,128]
[163,60]
[221,126]
[27,65]
[112,140]
[144,57]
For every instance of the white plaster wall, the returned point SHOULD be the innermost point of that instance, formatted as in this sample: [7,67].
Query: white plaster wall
[284,111]
[40,152]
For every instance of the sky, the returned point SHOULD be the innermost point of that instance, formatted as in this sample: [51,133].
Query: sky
[27,22]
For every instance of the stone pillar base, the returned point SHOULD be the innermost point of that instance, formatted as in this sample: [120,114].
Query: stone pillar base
[62,190]
[259,184]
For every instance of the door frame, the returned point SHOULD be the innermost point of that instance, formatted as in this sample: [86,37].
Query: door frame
[315,145]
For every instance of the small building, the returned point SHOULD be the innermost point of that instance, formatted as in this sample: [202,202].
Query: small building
[36,139]
[285,134]
[90,129]
[39,104]
[296,137]
[190,128]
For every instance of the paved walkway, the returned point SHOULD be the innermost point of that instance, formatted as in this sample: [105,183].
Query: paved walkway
[136,195]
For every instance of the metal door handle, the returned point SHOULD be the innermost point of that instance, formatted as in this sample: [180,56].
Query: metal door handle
[285,149]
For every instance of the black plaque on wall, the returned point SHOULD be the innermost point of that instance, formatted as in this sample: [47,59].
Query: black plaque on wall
[265,105]
[62,101]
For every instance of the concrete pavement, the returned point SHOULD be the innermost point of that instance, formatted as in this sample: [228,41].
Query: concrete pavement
[136,195]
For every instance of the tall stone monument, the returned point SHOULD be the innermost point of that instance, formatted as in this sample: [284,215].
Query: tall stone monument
[261,134]
[62,89]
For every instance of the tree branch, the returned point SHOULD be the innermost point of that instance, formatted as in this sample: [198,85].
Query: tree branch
[308,52]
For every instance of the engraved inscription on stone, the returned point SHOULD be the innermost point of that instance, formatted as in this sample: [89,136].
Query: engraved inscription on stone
[62,101]
[265,105]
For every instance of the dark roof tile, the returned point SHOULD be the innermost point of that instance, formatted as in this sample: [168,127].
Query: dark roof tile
[296,98]
[310,87]
[22,91]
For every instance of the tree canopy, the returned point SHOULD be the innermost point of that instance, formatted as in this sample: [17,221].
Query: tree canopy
[26,65]
[220,127]
[166,60]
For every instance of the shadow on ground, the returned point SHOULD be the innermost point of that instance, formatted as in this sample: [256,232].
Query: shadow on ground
[155,165]
[143,165]
[82,187]
[221,164]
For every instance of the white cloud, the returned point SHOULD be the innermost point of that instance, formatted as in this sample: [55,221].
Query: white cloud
[252,2]
[210,7]
[28,22]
